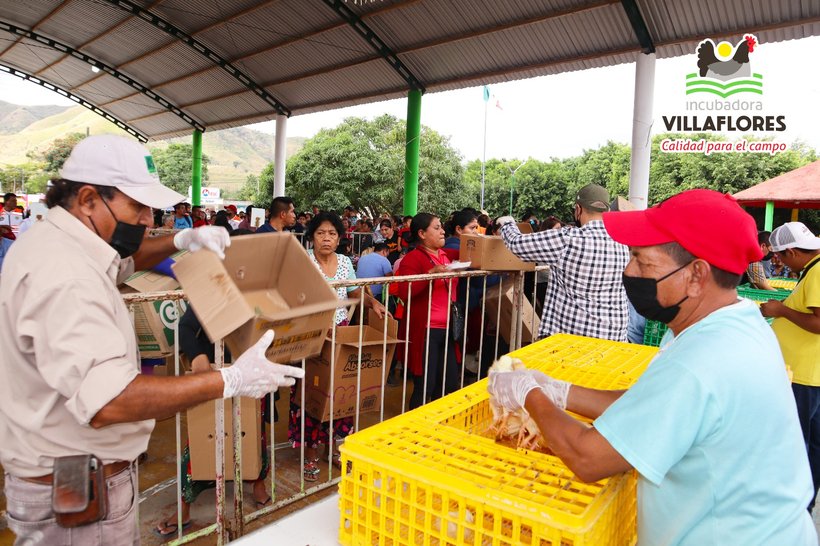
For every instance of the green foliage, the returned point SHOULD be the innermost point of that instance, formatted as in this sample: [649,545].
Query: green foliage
[175,166]
[672,173]
[56,154]
[361,162]
[24,178]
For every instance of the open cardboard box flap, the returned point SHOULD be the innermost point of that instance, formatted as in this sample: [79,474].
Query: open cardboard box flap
[265,276]
[373,334]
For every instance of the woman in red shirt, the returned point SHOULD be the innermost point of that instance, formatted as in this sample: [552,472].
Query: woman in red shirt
[428,314]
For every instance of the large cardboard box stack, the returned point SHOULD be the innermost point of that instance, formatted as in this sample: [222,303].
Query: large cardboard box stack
[266,282]
[202,439]
[488,252]
[504,325]
[154,321]
[345,355]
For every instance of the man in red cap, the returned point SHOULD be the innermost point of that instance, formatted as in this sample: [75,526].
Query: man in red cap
[711,426]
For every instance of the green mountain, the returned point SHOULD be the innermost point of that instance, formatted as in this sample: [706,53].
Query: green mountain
[234,153]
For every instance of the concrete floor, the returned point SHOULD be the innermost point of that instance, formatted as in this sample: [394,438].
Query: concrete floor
[158,479]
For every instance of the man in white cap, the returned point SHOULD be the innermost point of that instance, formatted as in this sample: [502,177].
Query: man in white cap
[71,396]
[797,327]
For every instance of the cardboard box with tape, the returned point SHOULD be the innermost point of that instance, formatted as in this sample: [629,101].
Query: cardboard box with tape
[488,252]
[266,282]
[345,359]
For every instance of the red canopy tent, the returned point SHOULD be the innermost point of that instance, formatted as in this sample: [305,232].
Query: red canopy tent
[797,189]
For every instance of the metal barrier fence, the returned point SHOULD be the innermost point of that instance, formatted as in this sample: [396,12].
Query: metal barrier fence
[229,525]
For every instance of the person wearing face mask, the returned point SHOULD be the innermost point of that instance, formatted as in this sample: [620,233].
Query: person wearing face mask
[755,274]
[70,382]
[711,426]
[585,295]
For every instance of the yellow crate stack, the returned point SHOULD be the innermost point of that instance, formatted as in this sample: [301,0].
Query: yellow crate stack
[782,282]
[436,476]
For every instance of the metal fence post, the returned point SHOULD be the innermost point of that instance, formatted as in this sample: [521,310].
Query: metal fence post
[517,303]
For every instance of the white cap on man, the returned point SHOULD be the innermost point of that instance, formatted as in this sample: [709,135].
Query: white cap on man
[122,163]
[793,235]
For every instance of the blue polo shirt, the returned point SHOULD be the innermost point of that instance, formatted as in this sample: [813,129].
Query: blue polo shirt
[373,265]
[711,427]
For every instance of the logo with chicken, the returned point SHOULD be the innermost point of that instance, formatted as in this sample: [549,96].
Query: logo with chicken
[725,69]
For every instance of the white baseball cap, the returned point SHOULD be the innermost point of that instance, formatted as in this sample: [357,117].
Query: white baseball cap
[119,162]
[793,235]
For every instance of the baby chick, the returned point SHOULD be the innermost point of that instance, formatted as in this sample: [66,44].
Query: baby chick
[508,424]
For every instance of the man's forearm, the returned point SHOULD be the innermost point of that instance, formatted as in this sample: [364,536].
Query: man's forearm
[149,397]
[580,447]
[153,250]
[590,403]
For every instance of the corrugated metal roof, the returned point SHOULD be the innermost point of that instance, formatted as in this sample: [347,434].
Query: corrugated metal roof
[225,55]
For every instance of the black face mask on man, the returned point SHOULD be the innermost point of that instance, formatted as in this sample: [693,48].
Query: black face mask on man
[643,294]
[127,238]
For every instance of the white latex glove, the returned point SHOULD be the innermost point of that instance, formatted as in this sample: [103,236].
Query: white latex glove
[214,238]
[505,220]
[555,389]
[510,389]
[253,375]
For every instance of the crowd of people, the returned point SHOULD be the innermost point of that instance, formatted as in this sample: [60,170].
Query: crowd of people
[725,451]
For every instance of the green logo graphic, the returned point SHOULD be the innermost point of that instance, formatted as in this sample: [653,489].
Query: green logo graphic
[149,162]
[724,69]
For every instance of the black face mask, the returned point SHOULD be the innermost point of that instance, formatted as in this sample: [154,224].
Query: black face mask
[127,238]
[768,256]
[643,294]
[576,219]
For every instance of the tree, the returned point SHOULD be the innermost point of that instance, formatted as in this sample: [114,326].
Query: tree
[56,154]
[175,166]
[361,163]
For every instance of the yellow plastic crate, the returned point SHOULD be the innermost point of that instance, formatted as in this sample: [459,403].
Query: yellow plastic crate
[410,483]
[435,475]
[584,361]
[781,282]
[588,362]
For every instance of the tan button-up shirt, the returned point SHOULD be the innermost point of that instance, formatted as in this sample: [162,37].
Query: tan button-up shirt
[67,348]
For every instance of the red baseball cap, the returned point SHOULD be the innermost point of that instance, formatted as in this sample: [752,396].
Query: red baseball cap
[231,208]
[707,223]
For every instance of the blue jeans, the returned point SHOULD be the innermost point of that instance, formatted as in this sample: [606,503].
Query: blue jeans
[808,411]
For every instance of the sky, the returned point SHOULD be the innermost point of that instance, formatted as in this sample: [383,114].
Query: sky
[564,114]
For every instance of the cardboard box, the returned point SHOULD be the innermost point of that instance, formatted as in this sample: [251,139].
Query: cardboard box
[202,439]
[266,281]
[488,252]
[154,321]
[524,227]
[345,371]
[505,322]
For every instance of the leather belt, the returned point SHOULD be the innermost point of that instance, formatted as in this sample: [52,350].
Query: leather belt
[108,470]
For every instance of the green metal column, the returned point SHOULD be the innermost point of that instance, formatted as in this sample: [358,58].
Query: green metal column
[411,153]
[196,179]
[769,219]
